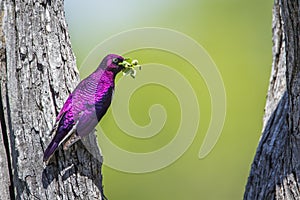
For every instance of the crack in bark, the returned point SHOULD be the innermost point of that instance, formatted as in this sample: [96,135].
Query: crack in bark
[7,147]
[3,124]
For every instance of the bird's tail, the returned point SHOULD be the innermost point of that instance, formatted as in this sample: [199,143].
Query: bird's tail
[50,150]
[60,136]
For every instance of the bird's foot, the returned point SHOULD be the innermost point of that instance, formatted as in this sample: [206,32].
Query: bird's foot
[71,140]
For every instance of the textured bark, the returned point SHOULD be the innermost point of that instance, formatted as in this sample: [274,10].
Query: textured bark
[5,175]
[275,171]
[37,72]
[4,171]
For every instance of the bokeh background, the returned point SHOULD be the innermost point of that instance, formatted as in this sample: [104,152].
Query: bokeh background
[237,36]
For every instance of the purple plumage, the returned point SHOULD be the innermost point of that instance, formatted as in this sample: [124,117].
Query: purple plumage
[86,105]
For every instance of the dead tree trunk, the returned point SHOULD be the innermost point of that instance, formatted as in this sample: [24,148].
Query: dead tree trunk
[37,72]
[275,171]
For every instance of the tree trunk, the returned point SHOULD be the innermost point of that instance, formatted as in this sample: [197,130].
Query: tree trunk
[37,72]
[275,171]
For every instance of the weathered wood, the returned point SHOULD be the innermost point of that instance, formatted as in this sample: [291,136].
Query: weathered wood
[38,71]
[277,85]
[275,170]
[6,187]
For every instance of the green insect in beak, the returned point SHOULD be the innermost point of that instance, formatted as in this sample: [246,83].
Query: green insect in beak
[129,67]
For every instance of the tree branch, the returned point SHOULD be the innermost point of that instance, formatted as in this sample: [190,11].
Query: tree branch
[275,170]
[37,74]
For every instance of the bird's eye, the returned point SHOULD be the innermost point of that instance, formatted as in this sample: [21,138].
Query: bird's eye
[115,60]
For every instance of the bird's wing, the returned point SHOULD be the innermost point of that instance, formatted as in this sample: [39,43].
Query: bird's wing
[94,112]
[66,107]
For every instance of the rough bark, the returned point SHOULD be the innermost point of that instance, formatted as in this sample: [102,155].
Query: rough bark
[5,176]
[37,72]
[275,170]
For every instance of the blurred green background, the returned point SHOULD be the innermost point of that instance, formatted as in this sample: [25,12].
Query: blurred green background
[237,35]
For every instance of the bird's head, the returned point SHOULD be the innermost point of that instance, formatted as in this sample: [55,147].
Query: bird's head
[117,63]
[113,63]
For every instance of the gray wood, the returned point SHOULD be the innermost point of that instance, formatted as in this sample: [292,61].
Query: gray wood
[4,170]
[275,170]
[38,71]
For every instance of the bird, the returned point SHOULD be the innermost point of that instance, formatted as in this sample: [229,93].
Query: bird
[88,103]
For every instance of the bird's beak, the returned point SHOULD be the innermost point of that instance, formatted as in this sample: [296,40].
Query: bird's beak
[125,63]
